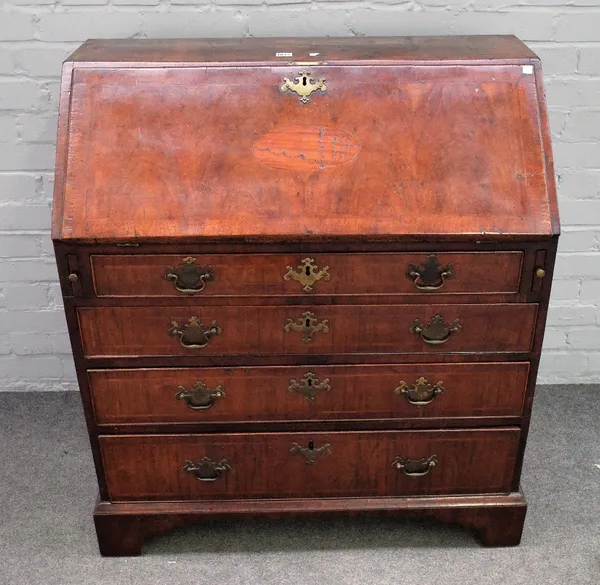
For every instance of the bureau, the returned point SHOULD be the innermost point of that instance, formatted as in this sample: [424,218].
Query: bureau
[305,276]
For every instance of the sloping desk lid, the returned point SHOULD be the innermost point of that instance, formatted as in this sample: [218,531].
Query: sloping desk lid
[402,138]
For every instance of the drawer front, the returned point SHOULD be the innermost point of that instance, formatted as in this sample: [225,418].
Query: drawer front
[316,274]
[196,395]
[295,330]
[392,463]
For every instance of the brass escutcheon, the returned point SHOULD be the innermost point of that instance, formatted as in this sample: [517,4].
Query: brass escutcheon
[429,275]
[308,324]
[189,278]
[437,331]
[304,85]
[193,334]
[415,467]
[310,453]
[309,386]
[307,274]
[200,397]
[421,392]
[206,469]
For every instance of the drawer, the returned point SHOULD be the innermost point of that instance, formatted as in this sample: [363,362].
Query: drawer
[316,274]
[279,465]
[196,395]
[298,330]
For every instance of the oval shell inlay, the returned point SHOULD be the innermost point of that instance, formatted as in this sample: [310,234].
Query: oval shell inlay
[305,148]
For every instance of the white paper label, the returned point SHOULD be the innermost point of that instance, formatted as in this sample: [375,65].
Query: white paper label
[527,69]
[283,54]
[314,54]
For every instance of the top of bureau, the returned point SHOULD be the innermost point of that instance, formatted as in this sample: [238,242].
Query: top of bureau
[252,51]
[359,139]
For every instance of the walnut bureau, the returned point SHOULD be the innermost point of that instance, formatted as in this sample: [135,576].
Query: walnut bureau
[305,276]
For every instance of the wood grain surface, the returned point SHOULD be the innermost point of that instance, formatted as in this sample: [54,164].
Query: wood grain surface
[250,50]
[256,330]
[122,527]
[248,275]
[172,153]
[258,394]
[150,467]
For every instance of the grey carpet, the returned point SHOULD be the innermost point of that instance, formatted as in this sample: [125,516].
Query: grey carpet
[47,492]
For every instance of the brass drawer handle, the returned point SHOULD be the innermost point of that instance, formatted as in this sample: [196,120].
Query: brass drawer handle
[193,334]
[206,469]
[200,397]
[309,386]
[308,324]
[310,453]
[429,275]
[189,278]
[437,331]
[304,85]
[421,392]
[415,467]
[307,274]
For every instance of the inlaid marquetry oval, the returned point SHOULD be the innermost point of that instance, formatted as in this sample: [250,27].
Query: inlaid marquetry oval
[306,148]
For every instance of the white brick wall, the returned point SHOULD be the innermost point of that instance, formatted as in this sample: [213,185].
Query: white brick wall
[35,36]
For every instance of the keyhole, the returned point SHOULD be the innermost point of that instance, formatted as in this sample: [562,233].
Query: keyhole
[311,445]
[304,80]
[307,323]
[307,270]
[310,382]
